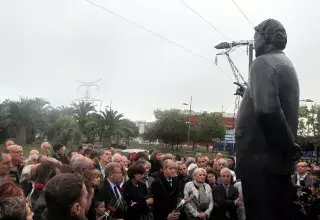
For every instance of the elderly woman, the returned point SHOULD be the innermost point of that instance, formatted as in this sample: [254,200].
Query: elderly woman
[201,202]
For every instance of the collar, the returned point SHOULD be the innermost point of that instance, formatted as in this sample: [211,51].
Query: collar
[303,176]
[111,184]
[228,186]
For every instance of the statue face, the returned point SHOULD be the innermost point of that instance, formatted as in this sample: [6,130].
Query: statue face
[259,42]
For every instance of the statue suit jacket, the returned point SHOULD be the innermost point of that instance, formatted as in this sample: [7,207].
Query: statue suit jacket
[267,120]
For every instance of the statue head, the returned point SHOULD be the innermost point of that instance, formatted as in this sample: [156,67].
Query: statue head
[269,35]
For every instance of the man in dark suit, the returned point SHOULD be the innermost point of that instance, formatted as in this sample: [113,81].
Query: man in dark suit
[166,191]
[109,191]
[266,127]
[104,159]
[226,197]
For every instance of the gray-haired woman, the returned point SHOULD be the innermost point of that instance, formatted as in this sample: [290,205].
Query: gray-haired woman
[201,203]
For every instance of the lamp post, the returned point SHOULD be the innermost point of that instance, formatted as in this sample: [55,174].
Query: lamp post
[306,100]
[190,109]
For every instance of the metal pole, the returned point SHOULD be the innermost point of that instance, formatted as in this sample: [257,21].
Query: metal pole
[190,105]
[250,54]
[110,105]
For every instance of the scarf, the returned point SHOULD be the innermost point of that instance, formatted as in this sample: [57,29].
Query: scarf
[203,197]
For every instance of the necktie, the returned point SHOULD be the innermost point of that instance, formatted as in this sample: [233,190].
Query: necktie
[170,182]
[116,192]
[227,189]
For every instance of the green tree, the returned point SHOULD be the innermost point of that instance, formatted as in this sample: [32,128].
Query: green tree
[82,114]
[171,126]
[26,115]
[309,125]
[67,130]
[209,126]
[112,127]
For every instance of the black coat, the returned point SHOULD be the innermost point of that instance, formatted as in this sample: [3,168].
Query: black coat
[155,166]
[267,120]
[225,203]
[165,197]
[105,193]
[138,195]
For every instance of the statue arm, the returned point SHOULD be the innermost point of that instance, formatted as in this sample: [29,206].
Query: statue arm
[264,89]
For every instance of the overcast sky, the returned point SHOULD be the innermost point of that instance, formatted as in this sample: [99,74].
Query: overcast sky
[45,46]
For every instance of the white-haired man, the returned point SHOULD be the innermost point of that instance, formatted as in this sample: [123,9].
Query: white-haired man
[45,148]
[117,158]
[226,196]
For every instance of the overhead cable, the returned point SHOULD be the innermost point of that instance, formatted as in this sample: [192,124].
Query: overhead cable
[246,17]
[154,33]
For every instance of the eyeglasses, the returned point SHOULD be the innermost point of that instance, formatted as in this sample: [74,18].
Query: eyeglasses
[226,176]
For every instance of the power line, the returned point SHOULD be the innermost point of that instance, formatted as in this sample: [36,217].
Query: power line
[154,33]
[205,20]
[243,13]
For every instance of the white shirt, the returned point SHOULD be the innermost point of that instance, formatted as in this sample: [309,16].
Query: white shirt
[102,170]
[300,177]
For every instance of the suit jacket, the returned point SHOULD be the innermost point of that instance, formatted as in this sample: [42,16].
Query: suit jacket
[165,197]
[225,203]
[307,180]
[105,193]
[193,207]
[267,120]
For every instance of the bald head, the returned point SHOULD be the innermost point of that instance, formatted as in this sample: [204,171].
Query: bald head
[117,158]
[36,152]
[45,148]
[169,168]
[16,155]
[79,162]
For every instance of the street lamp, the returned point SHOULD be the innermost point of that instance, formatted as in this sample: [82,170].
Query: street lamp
[190,109]
[306,100]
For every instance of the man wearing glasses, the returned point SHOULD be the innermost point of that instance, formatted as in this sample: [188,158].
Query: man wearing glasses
[16,153]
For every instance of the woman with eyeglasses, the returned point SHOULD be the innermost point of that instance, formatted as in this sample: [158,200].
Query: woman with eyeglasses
[201,203]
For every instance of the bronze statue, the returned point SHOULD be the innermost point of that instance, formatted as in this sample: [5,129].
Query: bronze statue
[266,127]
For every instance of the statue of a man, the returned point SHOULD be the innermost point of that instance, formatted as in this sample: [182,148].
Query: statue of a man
[266,127]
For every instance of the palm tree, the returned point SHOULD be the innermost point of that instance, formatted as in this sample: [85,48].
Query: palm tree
[26,115]
[66,110]
[112,127]
[81,112]
[67,130]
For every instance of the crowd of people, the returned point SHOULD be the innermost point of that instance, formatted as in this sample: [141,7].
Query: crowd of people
[97,184]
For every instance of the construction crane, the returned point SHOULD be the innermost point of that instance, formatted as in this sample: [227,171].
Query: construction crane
[228,48]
